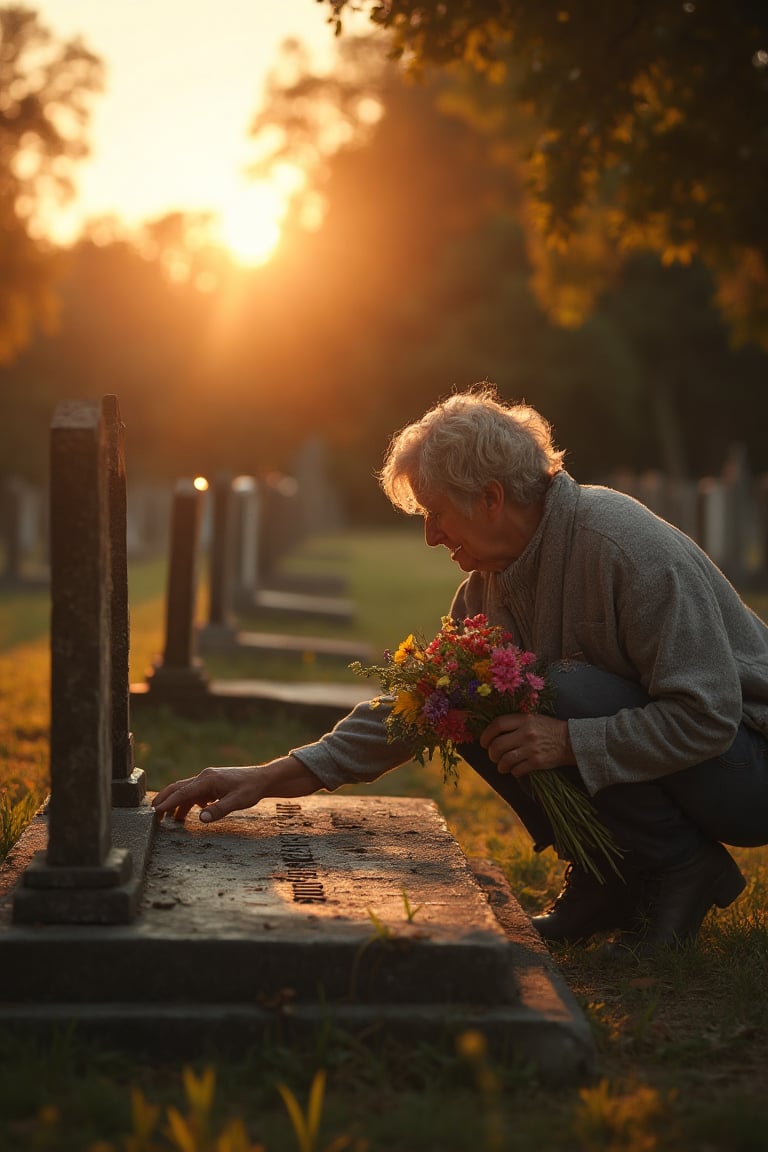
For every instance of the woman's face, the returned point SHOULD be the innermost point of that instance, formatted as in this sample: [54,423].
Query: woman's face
[477,543]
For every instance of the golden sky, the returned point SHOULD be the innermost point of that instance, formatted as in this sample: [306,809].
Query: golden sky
[184,78]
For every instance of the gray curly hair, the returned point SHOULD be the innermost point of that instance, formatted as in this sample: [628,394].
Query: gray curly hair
[465,441]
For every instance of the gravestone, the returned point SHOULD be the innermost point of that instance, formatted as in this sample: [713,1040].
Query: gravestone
[712,513]
[11,508]
[22,517]
[739,521]
[351,913]
[128,782]
[149,514]
[221,554]
[682,506]
[223,564]
[80,877]
[652,491]
[761,527]
[180,673]
[245,543]
[319,507]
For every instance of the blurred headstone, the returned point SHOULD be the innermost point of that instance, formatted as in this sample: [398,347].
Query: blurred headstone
[739,520]
[682,505]
[180,671]
[22,533]
[11,509]
[245,530]
[220,554]
[711,520]
[148,516]
[319,507]
[280,524]
[652,491]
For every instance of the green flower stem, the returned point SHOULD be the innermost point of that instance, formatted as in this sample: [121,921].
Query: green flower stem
[579,835]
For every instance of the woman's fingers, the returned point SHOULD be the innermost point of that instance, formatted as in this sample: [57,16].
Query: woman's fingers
[218,791]
[518,744]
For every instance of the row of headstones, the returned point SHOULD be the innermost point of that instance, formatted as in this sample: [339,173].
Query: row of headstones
[80,875]
[25,527]
[277,510]
[727,515]
[272,506]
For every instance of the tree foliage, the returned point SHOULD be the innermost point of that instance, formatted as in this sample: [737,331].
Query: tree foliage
[647,127]
[416,280]
[44,90]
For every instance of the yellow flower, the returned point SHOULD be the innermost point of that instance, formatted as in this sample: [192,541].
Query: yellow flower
[406,648]
[484,690]
[443,682]
[408,704]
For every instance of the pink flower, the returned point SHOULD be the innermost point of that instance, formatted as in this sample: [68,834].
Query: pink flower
[505,669]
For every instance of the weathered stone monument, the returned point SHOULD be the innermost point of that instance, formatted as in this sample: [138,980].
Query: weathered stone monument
[81,876]
[128,782]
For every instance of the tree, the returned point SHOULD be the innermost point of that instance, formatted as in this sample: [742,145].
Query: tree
[646,126]
[420,279]
[416,280]
[44,91]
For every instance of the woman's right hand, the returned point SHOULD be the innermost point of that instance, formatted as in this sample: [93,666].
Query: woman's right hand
[219,791]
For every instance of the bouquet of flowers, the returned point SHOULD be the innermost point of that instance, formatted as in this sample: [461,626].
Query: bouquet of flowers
[442,694]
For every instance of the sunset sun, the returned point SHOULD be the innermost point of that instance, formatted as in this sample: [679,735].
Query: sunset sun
[250,223]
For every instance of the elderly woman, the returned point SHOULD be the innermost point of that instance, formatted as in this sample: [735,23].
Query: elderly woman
[660,674]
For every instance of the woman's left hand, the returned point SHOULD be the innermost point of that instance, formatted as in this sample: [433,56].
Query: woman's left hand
[520,743]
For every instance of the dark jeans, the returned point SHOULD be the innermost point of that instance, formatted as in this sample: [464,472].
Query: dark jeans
[658,822]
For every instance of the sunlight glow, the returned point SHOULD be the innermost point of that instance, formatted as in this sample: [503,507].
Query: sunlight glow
[250,221]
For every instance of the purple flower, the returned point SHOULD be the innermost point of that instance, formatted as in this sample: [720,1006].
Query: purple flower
[436,707]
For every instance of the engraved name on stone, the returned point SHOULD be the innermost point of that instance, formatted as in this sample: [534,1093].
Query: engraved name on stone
[296,854]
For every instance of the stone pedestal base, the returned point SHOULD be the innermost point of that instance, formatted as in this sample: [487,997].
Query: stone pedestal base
[130,792]
[171,682]
[59,894]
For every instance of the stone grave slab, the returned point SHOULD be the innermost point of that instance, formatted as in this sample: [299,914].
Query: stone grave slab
[355,912]
[318,702]
[210,639]
[277,603]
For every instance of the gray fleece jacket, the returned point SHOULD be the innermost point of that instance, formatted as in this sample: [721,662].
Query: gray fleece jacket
[605,581]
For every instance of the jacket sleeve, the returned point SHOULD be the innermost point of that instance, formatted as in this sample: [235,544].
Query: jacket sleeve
[670,627]
[357,750]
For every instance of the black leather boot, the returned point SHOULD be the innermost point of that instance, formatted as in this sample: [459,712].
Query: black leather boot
[678,900]
[585,906]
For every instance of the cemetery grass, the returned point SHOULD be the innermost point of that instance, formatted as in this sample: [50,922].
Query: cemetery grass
[682,1044]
